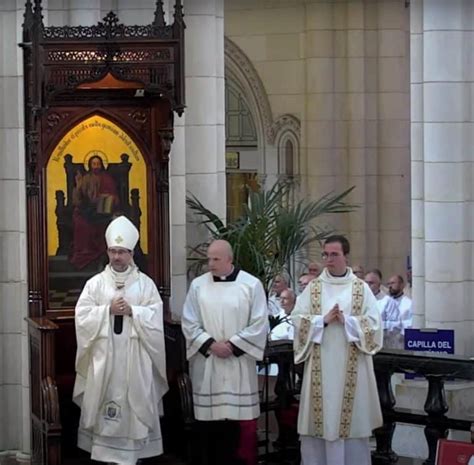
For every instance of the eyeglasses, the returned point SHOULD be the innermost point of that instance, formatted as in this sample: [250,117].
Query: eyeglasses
[326,256]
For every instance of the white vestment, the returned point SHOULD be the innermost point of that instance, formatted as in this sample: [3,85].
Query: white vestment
[397,315]
[406,311]
[339,398]
[235,311]
[120,378]
[380,295]
[274,305]
[283,330]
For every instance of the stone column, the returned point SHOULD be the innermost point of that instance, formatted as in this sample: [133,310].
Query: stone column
[178,217]
[357,122]
[73,12]
[142,13]
[389,131]
[131,12]
[84,12]
[197,158]
[442,164]
[14,380]
[205,112]
[417,157]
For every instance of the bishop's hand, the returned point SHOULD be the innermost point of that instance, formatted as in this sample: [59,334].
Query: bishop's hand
[119,306]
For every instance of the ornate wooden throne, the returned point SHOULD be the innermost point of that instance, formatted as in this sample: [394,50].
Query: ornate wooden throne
[134,77]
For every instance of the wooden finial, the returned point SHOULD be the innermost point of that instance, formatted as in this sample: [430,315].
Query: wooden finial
[178,12]
[28,22]
[159,15]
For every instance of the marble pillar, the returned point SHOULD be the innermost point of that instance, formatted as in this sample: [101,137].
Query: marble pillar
[14,382]
[442,78]
[205,112]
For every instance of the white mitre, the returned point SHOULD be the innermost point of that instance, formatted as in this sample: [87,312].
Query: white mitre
[121,232]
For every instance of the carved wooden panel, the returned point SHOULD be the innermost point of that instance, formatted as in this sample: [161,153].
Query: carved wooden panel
[57,120]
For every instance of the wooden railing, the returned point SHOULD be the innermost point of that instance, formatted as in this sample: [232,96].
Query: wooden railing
[47,429]
[435,368]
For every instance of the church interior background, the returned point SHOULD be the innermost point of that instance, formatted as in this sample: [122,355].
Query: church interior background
[371,93]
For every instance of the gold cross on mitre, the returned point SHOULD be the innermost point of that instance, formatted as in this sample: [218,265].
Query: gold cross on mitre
[119,239]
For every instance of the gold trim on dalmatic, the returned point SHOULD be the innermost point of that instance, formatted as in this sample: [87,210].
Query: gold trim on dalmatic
[303,334]
[351,367]
[316,379]
[369,334]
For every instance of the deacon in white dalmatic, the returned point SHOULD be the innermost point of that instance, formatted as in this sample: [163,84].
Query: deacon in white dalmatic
[120,361]
[337,330]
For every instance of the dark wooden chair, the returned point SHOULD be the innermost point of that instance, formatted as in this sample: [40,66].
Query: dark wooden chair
[283,402]
[191,436]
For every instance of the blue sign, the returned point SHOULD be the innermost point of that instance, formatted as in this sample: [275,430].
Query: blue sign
[430,340]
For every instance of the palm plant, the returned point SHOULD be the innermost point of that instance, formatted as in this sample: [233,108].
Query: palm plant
[271,230]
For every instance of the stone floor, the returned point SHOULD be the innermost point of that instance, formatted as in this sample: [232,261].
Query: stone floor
[79,457]
[169,460]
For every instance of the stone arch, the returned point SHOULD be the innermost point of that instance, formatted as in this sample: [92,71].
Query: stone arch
[240,122]
[271,133]
[287,130]
[239,68]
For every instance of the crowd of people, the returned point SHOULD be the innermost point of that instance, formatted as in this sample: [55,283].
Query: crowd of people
[393,301]
[337,323]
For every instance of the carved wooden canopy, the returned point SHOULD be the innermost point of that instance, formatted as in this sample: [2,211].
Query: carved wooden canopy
[58,60]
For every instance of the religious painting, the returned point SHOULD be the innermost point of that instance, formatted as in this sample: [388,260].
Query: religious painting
[95,173]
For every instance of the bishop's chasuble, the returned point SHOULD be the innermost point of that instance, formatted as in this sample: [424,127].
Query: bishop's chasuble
[120,378]
[339,398]
[231,310]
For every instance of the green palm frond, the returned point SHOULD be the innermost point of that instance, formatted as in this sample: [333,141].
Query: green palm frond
[271,230]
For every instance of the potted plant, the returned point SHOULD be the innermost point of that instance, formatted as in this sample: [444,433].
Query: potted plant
[271,231]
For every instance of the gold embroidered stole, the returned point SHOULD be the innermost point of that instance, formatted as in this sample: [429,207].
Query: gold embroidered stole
[316,380]
[351,367]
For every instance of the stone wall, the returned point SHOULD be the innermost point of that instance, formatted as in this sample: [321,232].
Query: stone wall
[342,68]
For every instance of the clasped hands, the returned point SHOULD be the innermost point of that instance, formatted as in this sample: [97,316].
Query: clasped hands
[222,349]
[119,306]
[334,315]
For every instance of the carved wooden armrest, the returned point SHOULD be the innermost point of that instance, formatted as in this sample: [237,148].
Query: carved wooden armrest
[186,397]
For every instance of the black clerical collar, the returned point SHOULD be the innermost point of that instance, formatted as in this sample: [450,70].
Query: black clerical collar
[397,296]
[338,275]
[225,279]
